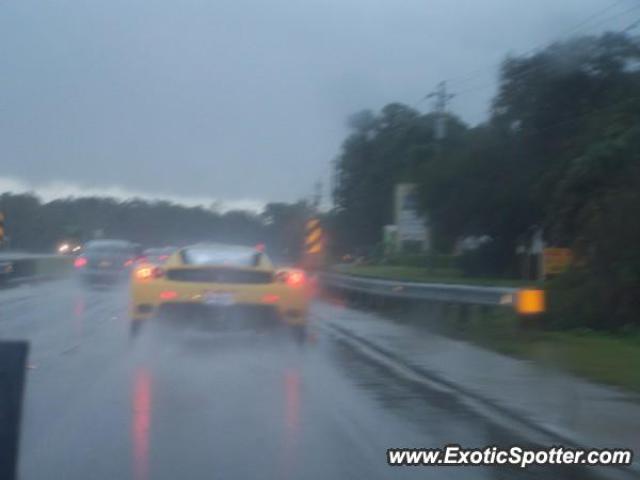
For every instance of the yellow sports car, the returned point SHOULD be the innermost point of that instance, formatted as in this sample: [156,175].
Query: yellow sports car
[219,284]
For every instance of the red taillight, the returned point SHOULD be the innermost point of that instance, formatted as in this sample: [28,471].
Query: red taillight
[293,278]
[128,263]
[80,262]
[168,295]
[164,257]
[147,272]
[270,298]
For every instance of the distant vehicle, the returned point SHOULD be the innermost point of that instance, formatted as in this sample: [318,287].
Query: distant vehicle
[347,258]
[157,256]
[68,248]
[220,285]
[106,261]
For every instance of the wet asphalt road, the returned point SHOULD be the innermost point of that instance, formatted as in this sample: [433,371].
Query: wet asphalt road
[188,405]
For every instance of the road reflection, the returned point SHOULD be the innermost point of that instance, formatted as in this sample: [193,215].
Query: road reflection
[291,422]
[141,423]
[79,308]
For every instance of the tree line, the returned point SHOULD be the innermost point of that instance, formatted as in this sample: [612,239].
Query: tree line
[560,152]
[37,226]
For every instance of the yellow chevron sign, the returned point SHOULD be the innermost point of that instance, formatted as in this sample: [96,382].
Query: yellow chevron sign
[313,237]
[556,260]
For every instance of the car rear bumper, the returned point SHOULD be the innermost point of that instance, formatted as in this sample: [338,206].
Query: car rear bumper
[236,317]
[241,312]
[104,275]
[147,299]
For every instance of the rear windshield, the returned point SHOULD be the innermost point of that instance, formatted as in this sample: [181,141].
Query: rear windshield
[108,250]
[210,256]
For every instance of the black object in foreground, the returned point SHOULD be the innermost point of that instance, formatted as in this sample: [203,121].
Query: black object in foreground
[13,357]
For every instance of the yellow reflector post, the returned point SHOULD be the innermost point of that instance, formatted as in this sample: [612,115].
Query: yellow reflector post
[530,301]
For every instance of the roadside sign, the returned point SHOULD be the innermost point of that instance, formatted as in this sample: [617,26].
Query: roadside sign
[313,236]
[530,301]
[313,244]
[556,260]
[390,239]
[411,226]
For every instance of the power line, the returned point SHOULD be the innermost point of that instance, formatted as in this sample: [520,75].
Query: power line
[614,17]
[441,98]
[440,107]
[632,26]
[568,120]
[586,21]
[475,89]
[579,26]
[586,113]
[491,68]
[534,68]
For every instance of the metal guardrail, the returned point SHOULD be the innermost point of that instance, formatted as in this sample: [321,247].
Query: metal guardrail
[8,255]
[437,292]
[16,267]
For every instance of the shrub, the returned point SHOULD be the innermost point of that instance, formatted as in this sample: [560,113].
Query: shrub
[491,259]
[430,261]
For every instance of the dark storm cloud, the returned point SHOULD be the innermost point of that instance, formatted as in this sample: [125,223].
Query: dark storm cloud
[235,99]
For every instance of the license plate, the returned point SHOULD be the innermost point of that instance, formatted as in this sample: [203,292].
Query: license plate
[219,298]
[104,264]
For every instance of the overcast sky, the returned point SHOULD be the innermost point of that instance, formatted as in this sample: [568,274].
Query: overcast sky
[242,101]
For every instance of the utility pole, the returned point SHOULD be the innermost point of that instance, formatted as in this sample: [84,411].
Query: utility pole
[317,195]
[2,235]
[441,98]
[440,108]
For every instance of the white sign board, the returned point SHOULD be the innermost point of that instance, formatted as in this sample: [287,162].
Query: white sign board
[411,225]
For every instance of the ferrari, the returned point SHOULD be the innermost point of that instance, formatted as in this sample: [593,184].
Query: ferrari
[219,285]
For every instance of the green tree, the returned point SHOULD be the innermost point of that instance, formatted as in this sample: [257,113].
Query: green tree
[380,151]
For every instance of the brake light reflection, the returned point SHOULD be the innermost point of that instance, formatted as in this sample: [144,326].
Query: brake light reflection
[270,298]
[79,262]
[141,423]
[78,313]
[168,295]
[295,278]
[291,440]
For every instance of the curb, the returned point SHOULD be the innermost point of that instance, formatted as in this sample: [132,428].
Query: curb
[484,402]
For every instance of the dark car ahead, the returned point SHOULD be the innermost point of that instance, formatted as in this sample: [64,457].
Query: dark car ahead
[106,261]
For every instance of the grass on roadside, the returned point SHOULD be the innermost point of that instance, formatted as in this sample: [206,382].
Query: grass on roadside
[602,357]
